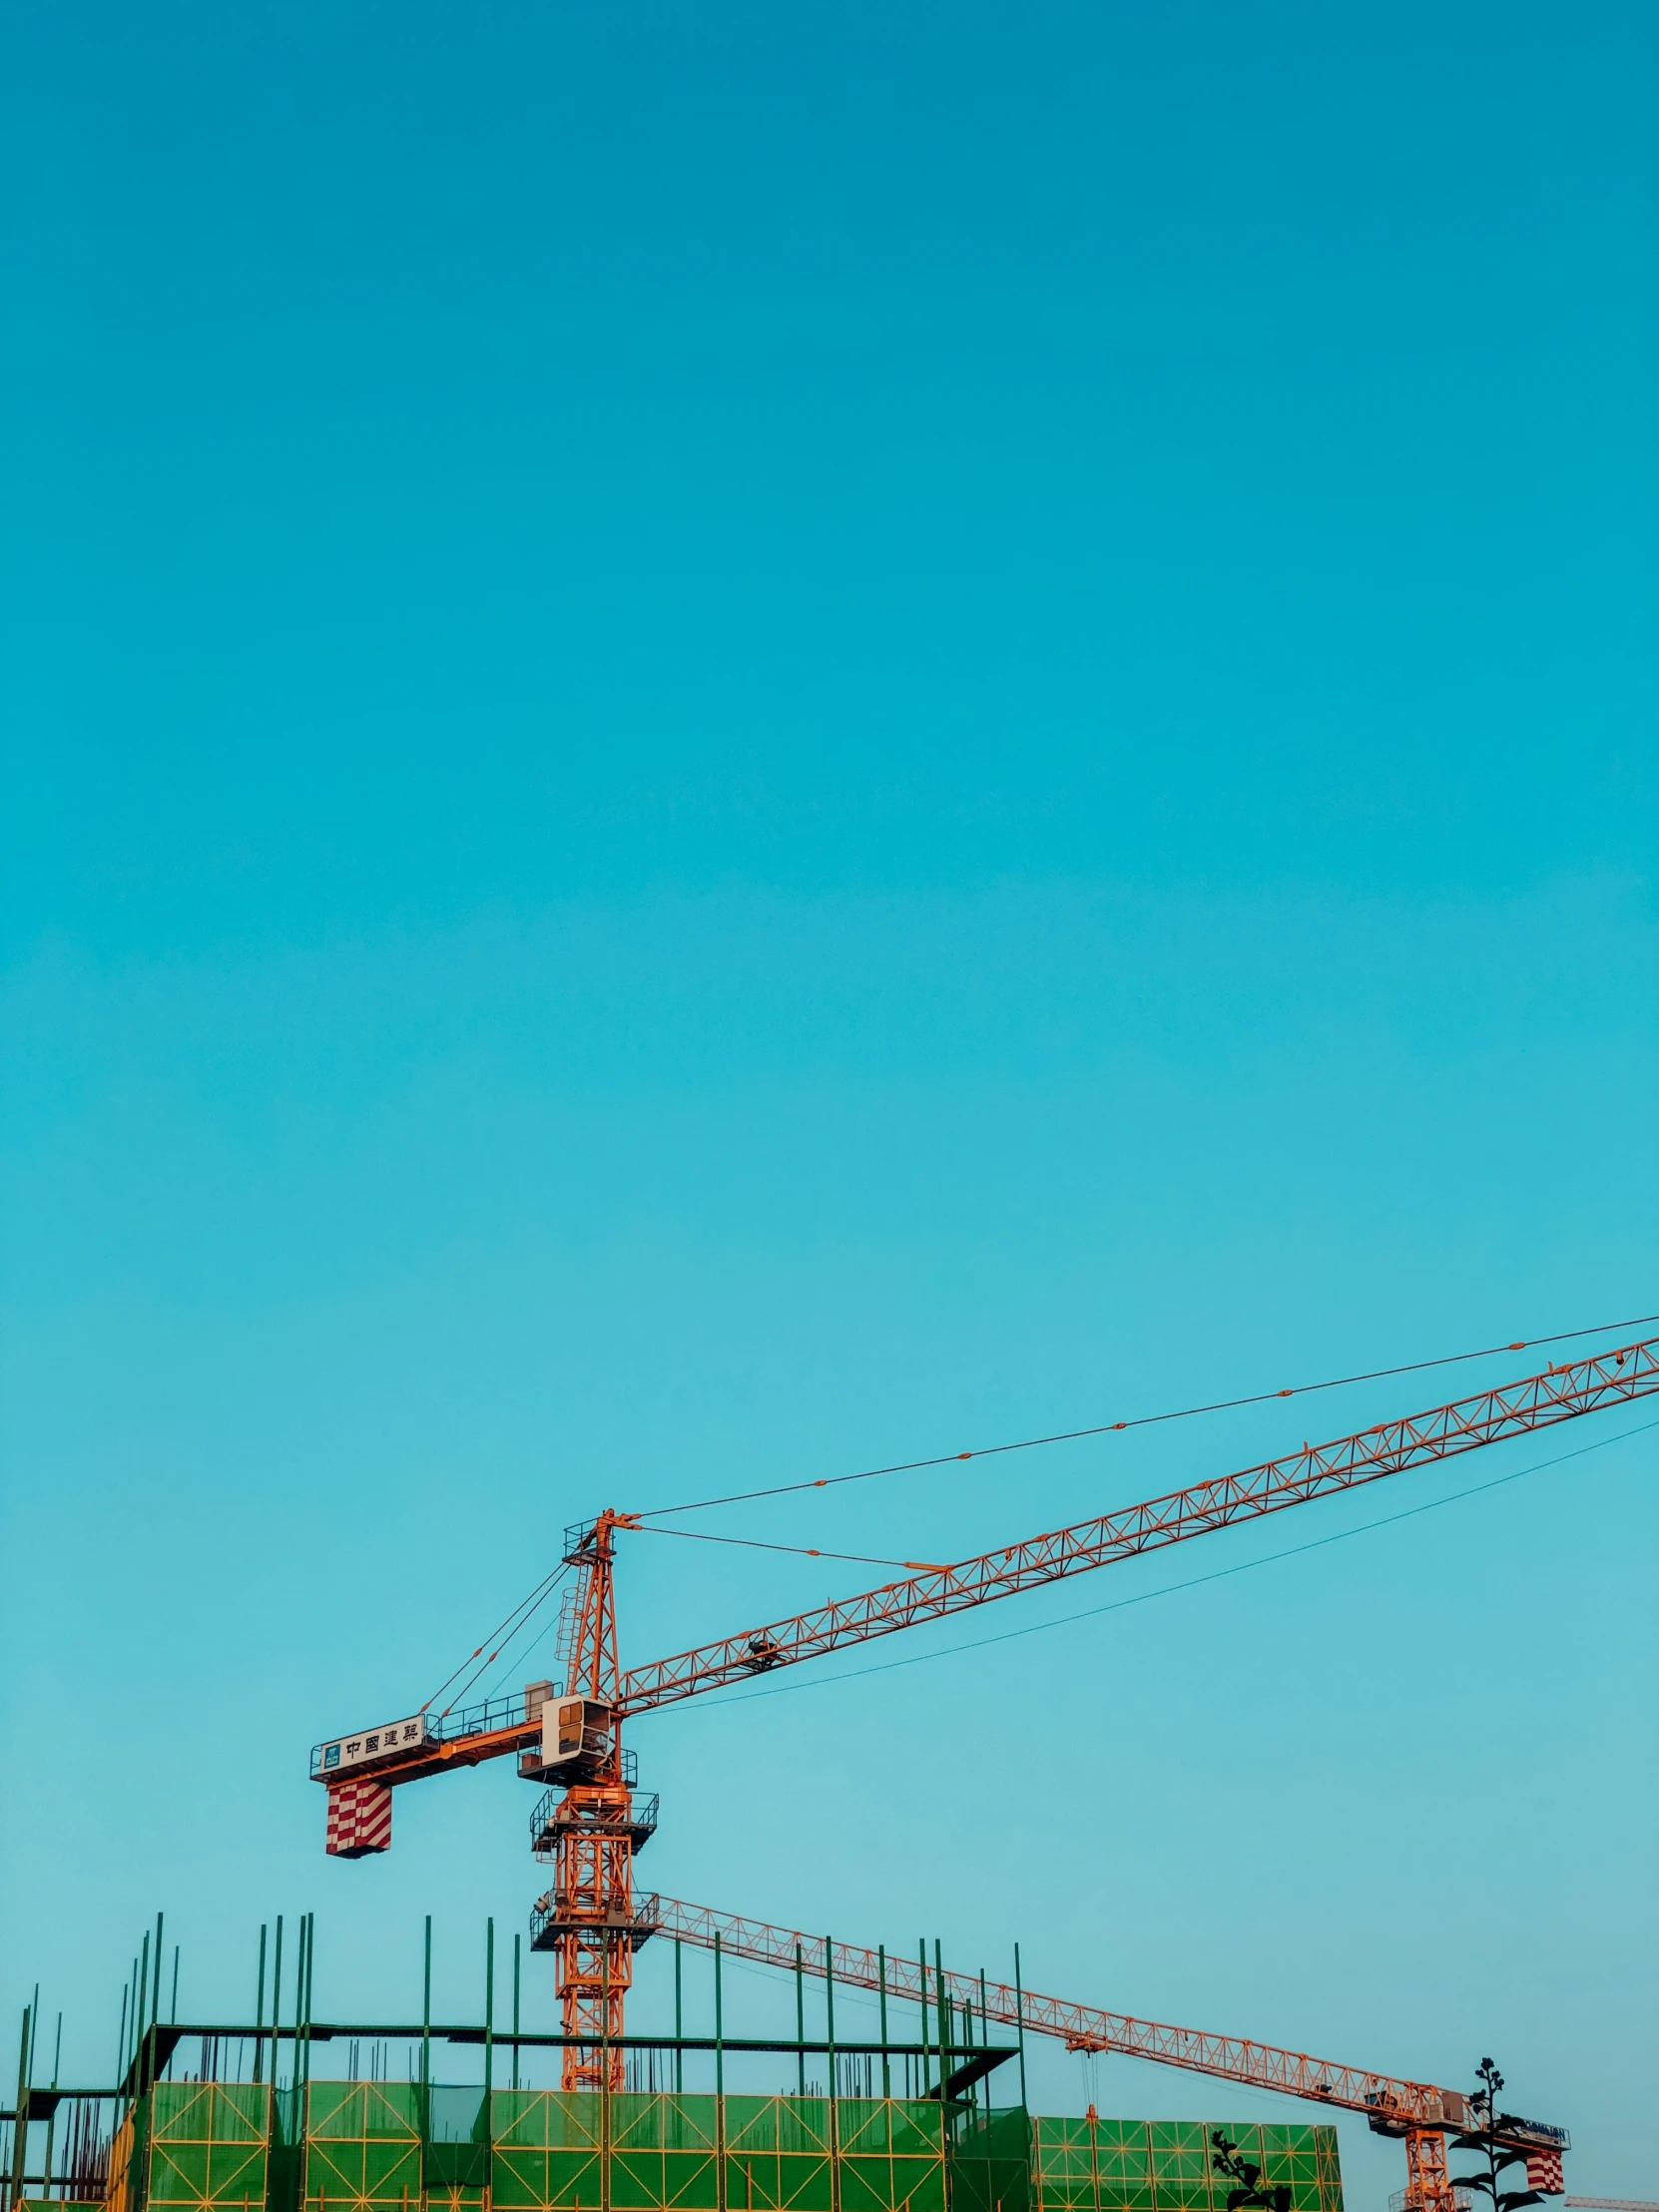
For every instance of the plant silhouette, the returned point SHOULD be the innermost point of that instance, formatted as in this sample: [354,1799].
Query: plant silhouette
[1248,2196]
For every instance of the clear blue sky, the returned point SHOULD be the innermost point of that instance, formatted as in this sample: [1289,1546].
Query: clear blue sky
[744,740]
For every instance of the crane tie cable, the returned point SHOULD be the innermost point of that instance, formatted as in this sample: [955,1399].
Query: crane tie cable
[1143,1421]
[801,1551]
[526,1606]
[1173,1589]
[529,1605]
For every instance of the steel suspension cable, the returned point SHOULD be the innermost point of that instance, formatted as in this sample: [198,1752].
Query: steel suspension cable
[527,1606]
[1143,1421]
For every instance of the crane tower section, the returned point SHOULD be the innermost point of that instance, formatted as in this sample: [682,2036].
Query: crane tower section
[586,1823]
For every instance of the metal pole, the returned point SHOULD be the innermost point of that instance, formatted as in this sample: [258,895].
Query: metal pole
[719,2088]
[945,2018]
[489,2011]
[833,2131]
[138,2032]
[881,1979]
[277,2009]
[622,2059]
[52,2116]
[679,2027]
[927,2070]
[605,2083]
[720,2029]
[1019,2014]
[131,2044]
[120,2039]
[310,1963]
[800,2022]
[299,2013]
[20,2126]
[427,2038]
[258,2013]
[173,2008]
[300,1964]
[156,2002]
[517,1945]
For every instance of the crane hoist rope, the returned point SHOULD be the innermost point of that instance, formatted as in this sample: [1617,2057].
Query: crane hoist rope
[1150,1420]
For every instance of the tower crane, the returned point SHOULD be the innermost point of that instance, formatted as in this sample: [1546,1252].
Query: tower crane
[1416,2111]
[569,1735]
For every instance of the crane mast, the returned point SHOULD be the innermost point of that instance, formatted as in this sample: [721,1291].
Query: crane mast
[587,1918]
[586,1913]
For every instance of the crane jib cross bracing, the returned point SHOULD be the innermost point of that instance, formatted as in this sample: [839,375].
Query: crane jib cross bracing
[571,1736]
[1317,1471]
[1391,2104]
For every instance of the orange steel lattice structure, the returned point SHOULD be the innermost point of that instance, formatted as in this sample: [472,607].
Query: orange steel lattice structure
[1416,2111]
[1428,2186]
[1079,2026]
[1317,1471]
[587,1916]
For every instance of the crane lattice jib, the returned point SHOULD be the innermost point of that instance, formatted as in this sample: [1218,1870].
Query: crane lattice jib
[1402,2104]
[1317,1471]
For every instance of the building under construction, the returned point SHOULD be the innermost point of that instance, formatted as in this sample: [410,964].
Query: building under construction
[229,2118]
[889,2125]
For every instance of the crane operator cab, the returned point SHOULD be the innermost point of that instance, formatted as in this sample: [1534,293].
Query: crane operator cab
[576,1735]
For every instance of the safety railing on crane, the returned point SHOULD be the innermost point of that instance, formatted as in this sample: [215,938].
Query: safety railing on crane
[549,1922]
[555,1815]
[493,1717]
